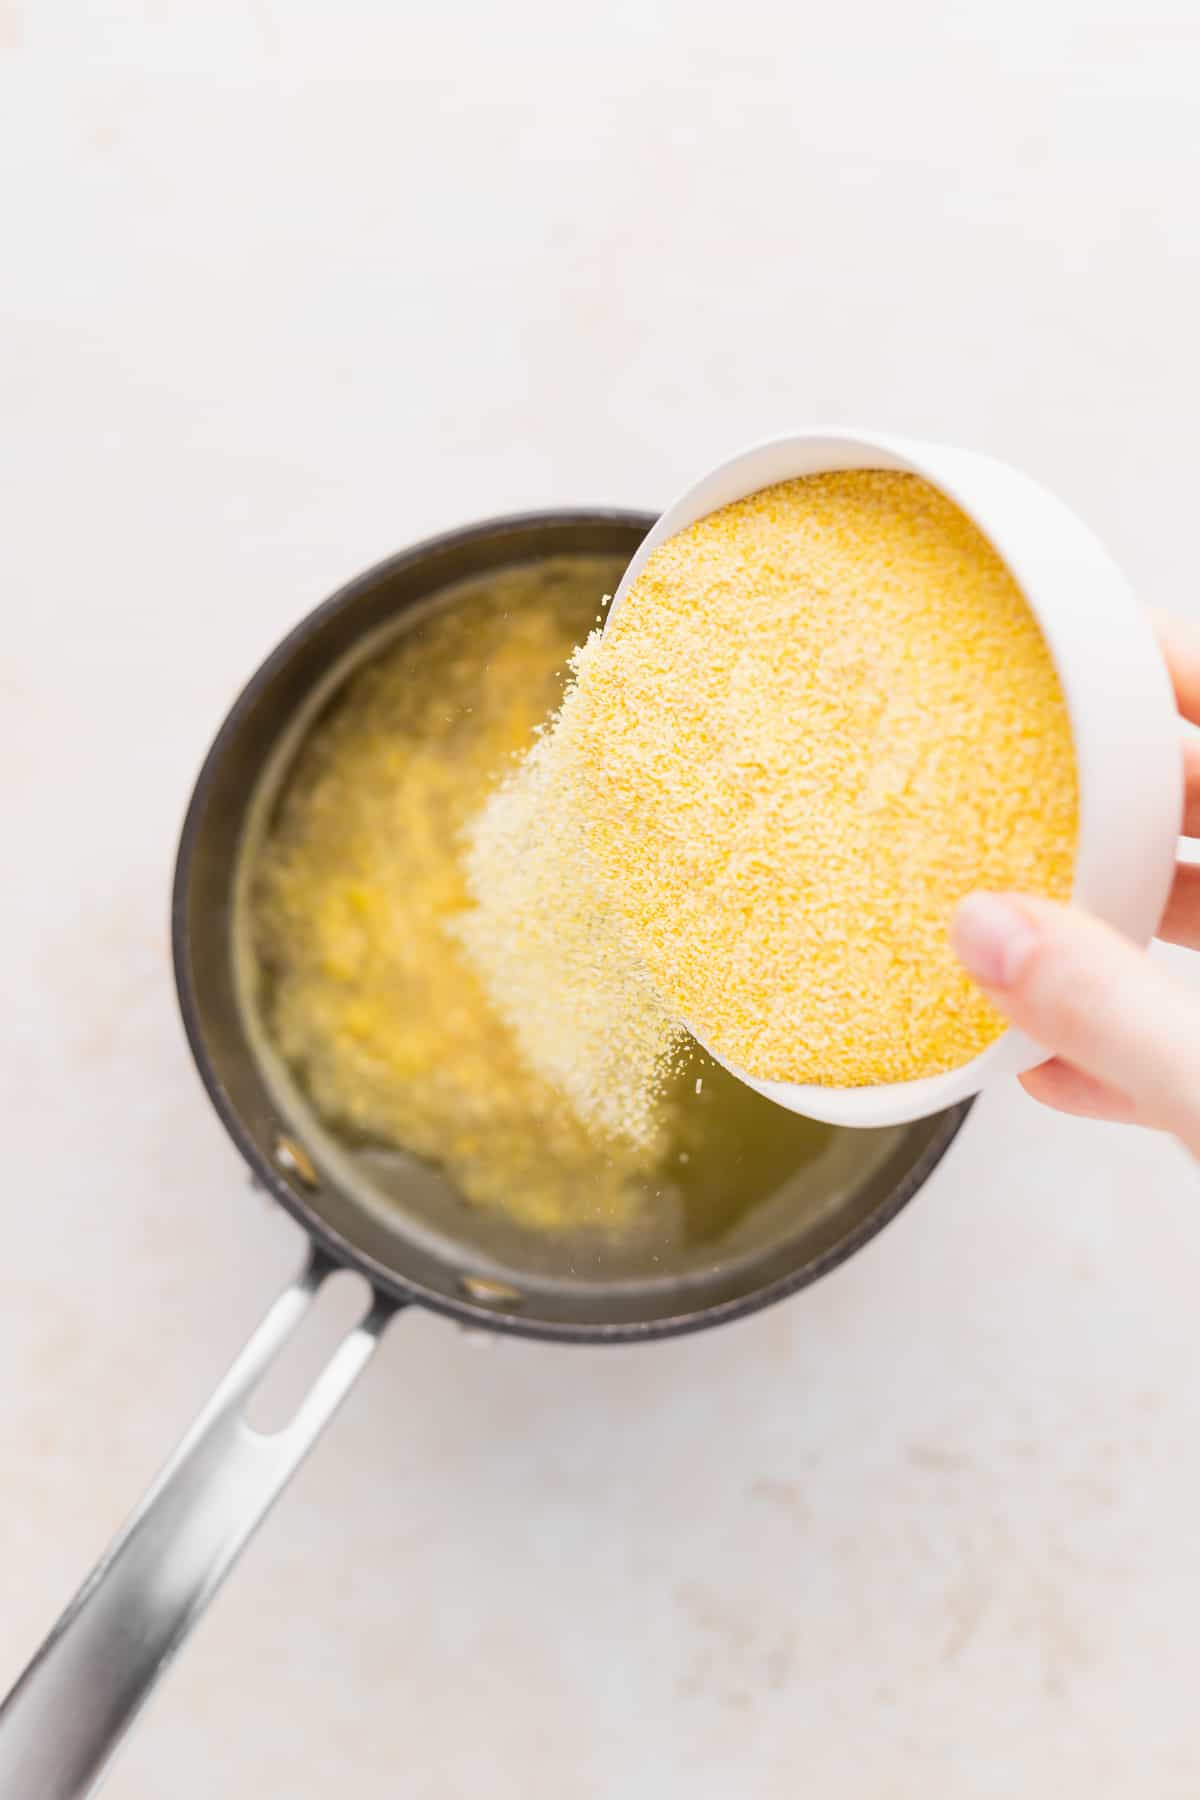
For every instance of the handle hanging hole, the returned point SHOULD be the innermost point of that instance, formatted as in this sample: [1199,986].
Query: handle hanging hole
[342,1301]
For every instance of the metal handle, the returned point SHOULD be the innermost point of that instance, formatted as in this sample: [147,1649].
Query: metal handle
[73,1704]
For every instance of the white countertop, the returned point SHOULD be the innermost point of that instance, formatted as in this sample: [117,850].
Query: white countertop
[287,287]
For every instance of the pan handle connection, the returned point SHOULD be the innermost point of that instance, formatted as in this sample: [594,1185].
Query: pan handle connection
[76,1699]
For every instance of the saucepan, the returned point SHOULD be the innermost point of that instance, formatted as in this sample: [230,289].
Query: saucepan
[405,1229]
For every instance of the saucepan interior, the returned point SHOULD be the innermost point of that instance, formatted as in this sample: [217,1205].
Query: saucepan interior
[788,1216]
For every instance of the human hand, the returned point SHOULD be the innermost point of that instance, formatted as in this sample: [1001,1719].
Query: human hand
[1125,1037]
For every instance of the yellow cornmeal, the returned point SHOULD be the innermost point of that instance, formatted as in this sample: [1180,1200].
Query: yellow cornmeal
[366,993]
[819,718]
[553,955]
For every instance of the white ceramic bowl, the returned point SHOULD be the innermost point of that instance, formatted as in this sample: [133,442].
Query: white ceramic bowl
[1118,694]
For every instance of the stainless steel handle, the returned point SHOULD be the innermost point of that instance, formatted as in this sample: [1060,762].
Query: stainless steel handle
[76,1699]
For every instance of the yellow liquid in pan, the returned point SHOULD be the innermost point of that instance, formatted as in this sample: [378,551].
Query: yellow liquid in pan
[369,1003]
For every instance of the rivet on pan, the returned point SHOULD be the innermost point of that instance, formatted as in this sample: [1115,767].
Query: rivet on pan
[490,1293]
[294,1159]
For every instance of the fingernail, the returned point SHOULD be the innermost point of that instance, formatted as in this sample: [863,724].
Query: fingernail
[993,939]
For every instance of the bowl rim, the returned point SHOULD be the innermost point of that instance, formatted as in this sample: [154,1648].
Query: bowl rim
[942,466]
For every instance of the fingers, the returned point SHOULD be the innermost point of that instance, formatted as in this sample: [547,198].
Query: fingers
[1181,647]
[1190,826]
[1084,992]
[1069,1090]
[1181,920]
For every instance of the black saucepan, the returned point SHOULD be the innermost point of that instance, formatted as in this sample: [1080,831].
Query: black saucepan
[406,1230]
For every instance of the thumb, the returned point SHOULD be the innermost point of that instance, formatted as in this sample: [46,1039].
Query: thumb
[1081,990]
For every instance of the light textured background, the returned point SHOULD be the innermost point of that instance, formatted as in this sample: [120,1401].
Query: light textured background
[286,286]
